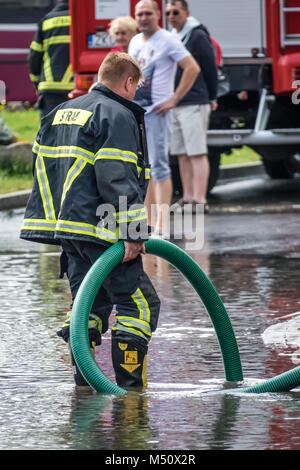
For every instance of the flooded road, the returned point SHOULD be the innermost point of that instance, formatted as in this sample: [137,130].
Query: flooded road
[253,260]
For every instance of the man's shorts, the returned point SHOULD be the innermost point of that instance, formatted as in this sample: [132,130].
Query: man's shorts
[189,129]
[158,135]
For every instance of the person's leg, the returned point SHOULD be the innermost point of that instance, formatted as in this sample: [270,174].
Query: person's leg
[137,307]
[186,175]
[194,121]
[163,191]
[76,264]
[49,101]
[159,195]
[200,169]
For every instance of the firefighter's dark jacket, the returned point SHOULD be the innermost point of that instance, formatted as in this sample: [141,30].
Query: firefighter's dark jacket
[49,57]
[91,172]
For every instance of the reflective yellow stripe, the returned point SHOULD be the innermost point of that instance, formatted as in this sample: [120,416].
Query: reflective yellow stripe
[45,189]
[57,22]
[68,75]
[52,85]
[63,39]
[47,68]
[142,305]
[87,229]
[116,154]
[35,147]
[36,46]
[39,224]
[63,151]
[70,227]
[34,78]
[131,215]
[130,321]
[130,330]
[72,174]
[147,173]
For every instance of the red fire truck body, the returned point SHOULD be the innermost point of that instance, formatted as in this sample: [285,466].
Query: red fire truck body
[260,41]
[90,40]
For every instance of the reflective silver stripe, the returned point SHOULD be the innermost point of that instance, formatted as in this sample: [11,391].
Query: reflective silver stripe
[142,305]
[130,331]
[73,172]
[45,189]
[116,154]
[63,39]
[39,223]
[65,152]
[128,216]
[36,46]
[35,147]
[69,226]
[52,85]
[86,229]
[140,324]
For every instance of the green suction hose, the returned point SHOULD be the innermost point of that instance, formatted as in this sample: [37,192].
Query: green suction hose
[186,265]
[281,383]
[82,306]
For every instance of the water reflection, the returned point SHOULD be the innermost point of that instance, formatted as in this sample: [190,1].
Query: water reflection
[114,422]
[187,404]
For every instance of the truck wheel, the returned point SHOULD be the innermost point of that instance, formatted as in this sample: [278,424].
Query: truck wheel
[214,157]
[281,162]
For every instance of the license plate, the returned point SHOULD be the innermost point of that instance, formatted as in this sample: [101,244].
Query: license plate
[100,41]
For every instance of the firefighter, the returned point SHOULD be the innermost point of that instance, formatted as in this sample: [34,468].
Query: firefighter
[49,59]
[91,176]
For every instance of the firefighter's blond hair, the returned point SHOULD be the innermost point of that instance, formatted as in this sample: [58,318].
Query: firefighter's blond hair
[117,67]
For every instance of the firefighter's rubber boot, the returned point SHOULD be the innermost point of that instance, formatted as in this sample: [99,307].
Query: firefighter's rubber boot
[94,331]
[130,365]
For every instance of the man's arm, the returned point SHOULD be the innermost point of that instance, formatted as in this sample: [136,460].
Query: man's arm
[190,72]
[35,57]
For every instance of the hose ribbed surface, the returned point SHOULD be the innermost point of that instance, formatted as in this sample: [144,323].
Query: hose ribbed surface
[186,265]
[82,306]
[281,383]
[211,300]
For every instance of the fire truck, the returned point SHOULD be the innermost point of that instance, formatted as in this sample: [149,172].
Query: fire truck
[260,41]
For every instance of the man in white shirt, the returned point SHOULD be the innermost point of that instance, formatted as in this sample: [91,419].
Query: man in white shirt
[158,52]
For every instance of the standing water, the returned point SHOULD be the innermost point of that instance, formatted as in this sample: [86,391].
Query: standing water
[186,405]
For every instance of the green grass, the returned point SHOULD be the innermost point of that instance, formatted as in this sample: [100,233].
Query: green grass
[240,156]
[10,184]
[23,123]
[26,124]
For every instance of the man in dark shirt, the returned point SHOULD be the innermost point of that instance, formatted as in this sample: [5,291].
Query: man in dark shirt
[191,115]
[49,58]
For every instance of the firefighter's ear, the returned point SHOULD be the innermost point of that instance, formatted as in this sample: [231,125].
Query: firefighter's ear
[130,87]
[128,83]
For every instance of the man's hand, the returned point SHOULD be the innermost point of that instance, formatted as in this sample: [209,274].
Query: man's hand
[213,105]
[132,250]
[165,107]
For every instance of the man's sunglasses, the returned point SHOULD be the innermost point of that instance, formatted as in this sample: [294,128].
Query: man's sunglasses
[172,12]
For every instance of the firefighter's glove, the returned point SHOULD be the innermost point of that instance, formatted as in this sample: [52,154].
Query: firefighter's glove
[94,329]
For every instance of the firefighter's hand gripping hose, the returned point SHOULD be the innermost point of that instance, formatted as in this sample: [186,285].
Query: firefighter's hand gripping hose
[79,339]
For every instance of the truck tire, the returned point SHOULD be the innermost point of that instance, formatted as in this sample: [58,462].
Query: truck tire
[281,162]
[214,157]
